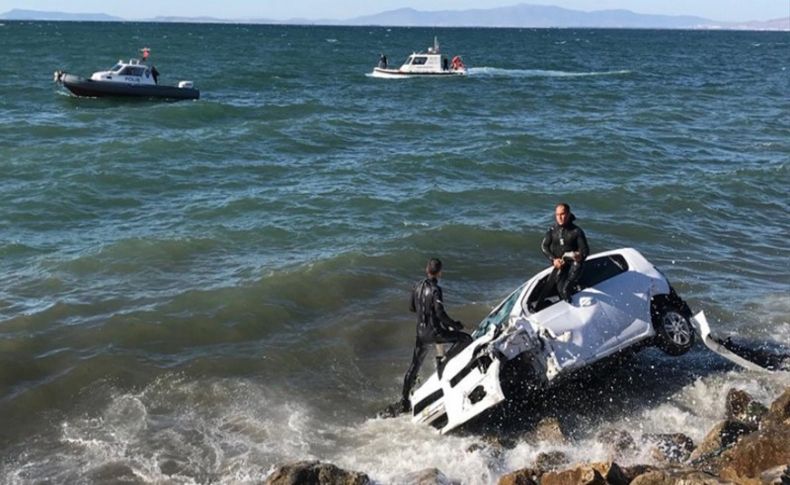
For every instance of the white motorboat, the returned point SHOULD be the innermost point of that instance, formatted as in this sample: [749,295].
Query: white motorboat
[135,78]
[430,63]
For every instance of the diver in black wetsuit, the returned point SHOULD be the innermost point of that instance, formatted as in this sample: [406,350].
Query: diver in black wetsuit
[561,238]
[434,326]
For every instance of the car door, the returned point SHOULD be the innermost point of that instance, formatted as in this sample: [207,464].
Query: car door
[580,330]
[626,300]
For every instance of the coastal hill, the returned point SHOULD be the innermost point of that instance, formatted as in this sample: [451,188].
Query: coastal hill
[19,14]
[518,16]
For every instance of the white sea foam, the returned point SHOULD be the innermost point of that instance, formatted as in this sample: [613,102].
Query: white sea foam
[499,72]
[236,431]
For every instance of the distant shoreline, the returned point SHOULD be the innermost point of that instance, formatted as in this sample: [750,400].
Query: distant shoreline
[486,27]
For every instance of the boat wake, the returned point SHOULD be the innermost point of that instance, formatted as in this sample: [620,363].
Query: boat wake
[517,73]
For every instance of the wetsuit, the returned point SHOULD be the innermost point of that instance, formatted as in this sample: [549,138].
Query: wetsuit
[557,241]
[434,326]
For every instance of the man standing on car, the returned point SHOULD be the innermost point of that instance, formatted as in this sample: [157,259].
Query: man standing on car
[434,326]
[565,245]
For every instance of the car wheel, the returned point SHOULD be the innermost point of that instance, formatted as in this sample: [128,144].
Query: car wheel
[674,332]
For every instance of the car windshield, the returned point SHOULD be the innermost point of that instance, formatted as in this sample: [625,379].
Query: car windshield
[499,316]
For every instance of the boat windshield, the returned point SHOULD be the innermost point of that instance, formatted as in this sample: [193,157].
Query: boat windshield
[116,67]
[499,316]
[132,71]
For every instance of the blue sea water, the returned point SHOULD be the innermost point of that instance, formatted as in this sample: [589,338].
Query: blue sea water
[197,291]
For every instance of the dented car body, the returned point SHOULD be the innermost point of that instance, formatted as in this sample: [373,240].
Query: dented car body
[621,302]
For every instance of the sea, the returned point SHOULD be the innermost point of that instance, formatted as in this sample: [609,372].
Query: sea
[199,291]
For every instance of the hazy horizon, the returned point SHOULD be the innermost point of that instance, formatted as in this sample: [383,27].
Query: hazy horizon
[723,10]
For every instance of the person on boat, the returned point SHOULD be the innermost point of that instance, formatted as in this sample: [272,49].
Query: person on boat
[445,64]
[565,246]
[457,63]
[382,61]
[434,326]
[155,74]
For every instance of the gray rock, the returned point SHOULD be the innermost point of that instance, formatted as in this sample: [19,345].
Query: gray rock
[742,407]
[549,461]
[670,447]
[618,442]
[315,473]
[548,430]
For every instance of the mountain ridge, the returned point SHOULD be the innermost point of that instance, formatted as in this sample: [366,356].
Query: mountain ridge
[515,16]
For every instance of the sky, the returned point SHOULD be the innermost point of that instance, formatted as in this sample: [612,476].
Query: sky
[722,10]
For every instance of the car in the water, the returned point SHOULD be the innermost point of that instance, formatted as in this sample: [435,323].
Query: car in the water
[533,339]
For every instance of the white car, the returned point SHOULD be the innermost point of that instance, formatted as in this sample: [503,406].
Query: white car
[621,302]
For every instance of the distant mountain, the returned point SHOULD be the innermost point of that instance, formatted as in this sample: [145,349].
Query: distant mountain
[522,15]
[18,14]
[528,16]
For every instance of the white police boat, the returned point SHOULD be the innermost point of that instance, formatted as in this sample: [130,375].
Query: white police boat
[431,63]
[134,78]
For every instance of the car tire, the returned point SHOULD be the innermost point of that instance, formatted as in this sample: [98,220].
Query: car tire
[674,332]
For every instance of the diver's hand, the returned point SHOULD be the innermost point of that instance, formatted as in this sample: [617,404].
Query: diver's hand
[577,256]
[558,262]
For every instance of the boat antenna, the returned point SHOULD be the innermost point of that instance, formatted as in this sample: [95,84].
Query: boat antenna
[435,44]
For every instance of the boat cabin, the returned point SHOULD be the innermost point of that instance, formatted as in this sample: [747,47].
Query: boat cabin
[134,72]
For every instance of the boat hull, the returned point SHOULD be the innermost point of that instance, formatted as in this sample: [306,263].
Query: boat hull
[397,73]
[86,87]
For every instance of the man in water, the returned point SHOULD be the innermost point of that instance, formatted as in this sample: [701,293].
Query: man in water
[434,326]
[565,245]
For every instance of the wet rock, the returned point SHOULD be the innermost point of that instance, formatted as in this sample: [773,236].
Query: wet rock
[550,461]
[617,441]
[316,473]
[474,447]
[753,454]
[612,473]
[587,474]
[677,477]
[581,475]
[525,476]
[736,403]
[500,442]
[721,436]
[631,472]
[670,447]
[428,476]
[779,412]
[548,430]
[779,475]
[114,472]
[742,407]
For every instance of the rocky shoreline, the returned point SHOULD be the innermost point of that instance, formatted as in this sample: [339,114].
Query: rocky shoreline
[751,446]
